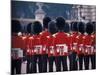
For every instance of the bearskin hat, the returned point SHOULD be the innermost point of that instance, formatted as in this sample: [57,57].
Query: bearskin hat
[60,23]
[74,26]
[15,26]
[52,27]
[94,26]
[81,27]
[37,27]
[29,28]
[71,26]
[46,20]
[89,27]
[66,28]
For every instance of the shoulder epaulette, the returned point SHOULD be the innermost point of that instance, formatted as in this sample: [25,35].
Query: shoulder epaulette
[77,37]
[83,37]
[24,37]
[92,36]
[31,37]
[48,36]
[68,34]
[54,35]
[40,33]
[85,34]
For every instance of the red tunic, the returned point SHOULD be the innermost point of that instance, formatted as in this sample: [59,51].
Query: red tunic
[94,42]
[50,46]
[43,37]
[94,38]
[24,40]
[30,45]
[27,44]
[36,44]
[74,41]
[16,43]
[80,44]
[61,43]
[88,40]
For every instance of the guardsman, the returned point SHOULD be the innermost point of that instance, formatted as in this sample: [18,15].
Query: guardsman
[61,45]
[80,52]
[23,44]
[44,35]
[37,47]
[16,45]
[67,31]
[28,48]
[51,51]
[74,46]
[93,55]
[88,39]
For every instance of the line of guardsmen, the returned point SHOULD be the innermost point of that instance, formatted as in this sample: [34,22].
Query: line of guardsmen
[56,42]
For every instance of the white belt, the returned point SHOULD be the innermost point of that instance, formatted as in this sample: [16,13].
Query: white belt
[81,44]
[88,45]
[75,43]
[63,50]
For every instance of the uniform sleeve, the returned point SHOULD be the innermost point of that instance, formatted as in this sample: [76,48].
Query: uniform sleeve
[54,44]
[30,43]
[68,42]
[47,42]
[22,43]
[94,40]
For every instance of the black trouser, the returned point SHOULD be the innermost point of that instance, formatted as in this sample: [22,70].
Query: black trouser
[16,64]
[93,61]
[12,66]
[51,59]
[37,59]
[29,59]
[24,55]
[44,62]
[59,60]
[33,64]
[81,57]
[86,62]
[73,61]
